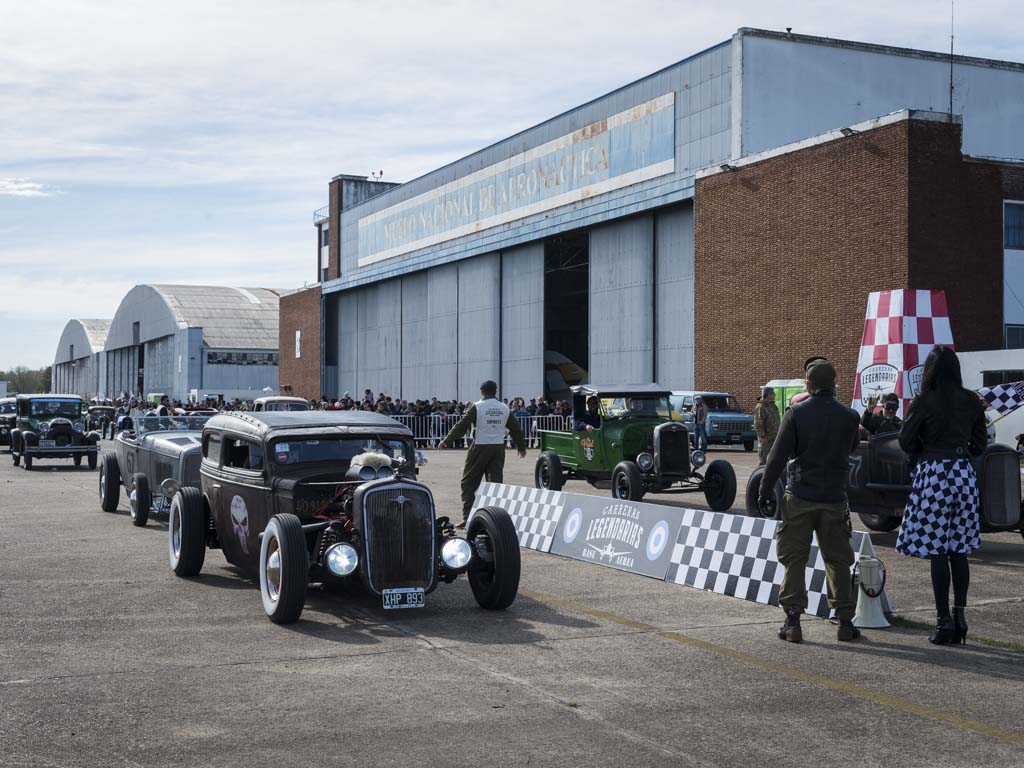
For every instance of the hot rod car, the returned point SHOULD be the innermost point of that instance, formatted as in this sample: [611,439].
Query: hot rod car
[51,427]
[879,485]
[332,497]
[637,449]
[152,458]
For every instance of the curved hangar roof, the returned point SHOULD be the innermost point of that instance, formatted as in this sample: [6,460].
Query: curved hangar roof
[231,318]
[86,336]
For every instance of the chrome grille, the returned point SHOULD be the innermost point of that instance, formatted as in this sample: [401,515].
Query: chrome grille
[398,530]
[732,427]
[672,445]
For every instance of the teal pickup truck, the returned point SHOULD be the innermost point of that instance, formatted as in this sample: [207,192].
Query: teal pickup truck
[727,423]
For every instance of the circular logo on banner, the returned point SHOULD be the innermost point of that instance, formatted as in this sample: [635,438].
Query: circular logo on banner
[877,380]
[573,523]
[657,540]
[914,376]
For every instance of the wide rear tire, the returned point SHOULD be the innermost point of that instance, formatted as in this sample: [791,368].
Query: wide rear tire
[110,483]
[77,460]
[627,482]
[753,509]
[880,523]
[720,485]
[140,500]
[494,572]
[548,473]
[284,569]
[186,533]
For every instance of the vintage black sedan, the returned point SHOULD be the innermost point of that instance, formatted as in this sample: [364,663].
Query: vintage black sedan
[152,458]
[8,408]
[100,417]
[331,497]
[51,427]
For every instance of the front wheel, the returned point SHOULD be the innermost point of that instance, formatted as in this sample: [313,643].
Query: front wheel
[140,500]
[77,460]
[880,523]
[110,483]
[284,569]
[720,485]
[748,446]
[494,574]
[548,472]
[627,482]
[92,459]
[186,533]
[28,462]
[754,509]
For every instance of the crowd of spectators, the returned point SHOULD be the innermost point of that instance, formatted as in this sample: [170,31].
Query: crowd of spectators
[382,403]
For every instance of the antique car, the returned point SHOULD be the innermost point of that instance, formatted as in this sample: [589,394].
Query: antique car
[99,418]
[8,417]
[332,498]
[637,449]
[727,424]
[279,403]
[879,486]
[153,457]
[51,427]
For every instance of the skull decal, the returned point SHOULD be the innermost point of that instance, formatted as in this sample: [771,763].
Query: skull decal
[240,522]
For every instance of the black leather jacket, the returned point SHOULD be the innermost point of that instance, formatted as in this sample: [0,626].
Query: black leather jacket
[941,427]
[816,436]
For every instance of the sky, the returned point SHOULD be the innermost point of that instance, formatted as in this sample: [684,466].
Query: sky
[190,142]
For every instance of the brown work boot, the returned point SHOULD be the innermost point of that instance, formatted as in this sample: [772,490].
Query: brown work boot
[790,631]
[847,631]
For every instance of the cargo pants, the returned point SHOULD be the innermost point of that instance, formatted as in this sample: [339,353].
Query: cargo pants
[481,461]
[831,521]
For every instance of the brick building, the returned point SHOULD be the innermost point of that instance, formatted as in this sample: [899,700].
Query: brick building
[707,226]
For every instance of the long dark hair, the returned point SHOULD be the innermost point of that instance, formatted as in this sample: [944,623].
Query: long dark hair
[942,372]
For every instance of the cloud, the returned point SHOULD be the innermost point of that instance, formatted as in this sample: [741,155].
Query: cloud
[25,188]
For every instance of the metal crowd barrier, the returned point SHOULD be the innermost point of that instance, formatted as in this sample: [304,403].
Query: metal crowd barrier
[429,430]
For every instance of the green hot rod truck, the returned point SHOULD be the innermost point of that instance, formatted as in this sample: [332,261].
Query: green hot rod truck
[632,446]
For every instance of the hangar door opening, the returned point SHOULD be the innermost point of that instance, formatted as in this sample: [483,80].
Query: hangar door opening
[566,313]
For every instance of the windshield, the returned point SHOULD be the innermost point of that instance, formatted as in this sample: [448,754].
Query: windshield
[144,424]
[286,406]
[649,406]
[722,403]
[302,451]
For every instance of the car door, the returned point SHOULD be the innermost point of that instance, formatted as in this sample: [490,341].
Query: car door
[242,509]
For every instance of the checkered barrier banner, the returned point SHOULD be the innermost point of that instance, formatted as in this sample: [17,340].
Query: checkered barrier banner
[714,551]
[900,329]
[535,512]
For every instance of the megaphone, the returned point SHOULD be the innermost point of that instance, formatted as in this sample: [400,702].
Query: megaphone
[869,582]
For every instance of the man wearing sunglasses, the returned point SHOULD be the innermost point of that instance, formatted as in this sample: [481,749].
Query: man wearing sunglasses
[887,420]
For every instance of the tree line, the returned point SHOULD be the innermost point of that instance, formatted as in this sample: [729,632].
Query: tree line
[23,379]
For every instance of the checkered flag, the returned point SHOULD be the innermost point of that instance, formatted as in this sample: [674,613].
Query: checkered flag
[1004,398]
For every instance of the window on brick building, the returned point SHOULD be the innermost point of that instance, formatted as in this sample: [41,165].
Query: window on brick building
[324,236]
[1013,226]
[298,344]
[1014,336]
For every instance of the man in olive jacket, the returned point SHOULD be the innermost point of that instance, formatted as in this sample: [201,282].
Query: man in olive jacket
[766,423]
[489,418]
[815,438]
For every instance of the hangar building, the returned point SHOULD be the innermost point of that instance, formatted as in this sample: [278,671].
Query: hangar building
[176,339]
[708,226]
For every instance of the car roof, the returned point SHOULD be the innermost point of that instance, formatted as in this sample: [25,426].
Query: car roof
[280,398]
[700,393]
[620,389]
[264,422]
[48,396]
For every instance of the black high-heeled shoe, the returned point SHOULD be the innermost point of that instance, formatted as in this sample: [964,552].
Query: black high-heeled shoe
[959,627]
[944,631]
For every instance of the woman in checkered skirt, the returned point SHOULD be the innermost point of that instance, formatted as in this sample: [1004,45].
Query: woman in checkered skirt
[944,428]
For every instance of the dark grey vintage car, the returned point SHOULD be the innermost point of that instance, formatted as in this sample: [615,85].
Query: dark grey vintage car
[8,408]
[152,459]
[280,403]
[332,498]
[52,427]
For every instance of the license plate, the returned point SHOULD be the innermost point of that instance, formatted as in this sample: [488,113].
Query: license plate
[405,597]
[47,444]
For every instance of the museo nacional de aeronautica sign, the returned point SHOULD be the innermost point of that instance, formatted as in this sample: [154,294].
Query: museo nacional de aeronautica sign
[623,149]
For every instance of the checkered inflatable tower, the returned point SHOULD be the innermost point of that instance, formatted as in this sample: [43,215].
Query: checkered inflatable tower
[900,329]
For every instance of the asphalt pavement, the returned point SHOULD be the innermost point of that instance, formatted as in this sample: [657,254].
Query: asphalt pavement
[107,659]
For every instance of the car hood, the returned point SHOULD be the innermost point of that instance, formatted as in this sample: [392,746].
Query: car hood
[173,443]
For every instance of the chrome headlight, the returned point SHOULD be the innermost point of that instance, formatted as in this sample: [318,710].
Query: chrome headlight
[78,426]
[697,458]
[645,461]
[169,487]
[456,554]
[44,427]
[341,559]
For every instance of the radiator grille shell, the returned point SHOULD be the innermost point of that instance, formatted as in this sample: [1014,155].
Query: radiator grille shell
[399,539]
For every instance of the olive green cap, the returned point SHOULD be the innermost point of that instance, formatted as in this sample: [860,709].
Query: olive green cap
[820,372]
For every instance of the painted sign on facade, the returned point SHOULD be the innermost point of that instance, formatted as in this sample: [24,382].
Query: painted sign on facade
[615,152]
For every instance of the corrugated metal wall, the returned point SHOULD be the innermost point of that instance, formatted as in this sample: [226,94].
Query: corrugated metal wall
[522,321]
[379,337]
[160,366]
[442,331]
[415,384]
[347,333]
[479,322]
[621,301]
[674,298]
